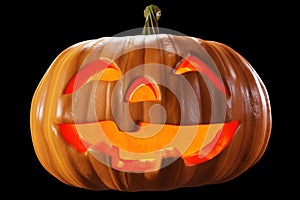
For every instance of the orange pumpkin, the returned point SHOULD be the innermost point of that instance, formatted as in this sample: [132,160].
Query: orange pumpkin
[149,112]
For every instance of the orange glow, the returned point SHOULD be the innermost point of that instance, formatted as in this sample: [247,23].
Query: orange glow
[142,89]
[196,143]
[194,64]
[183,70]
[108,74]
[101,69]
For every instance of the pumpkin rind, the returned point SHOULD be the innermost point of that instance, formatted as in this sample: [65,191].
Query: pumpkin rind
[247,101]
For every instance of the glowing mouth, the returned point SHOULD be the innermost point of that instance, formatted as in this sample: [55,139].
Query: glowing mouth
[144,149]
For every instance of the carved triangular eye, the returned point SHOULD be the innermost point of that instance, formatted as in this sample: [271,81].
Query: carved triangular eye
[102,69]
[187,64]
[142,89]
[194,64]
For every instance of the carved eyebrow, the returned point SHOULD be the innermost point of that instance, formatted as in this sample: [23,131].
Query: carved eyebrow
[194,64]
[101,69]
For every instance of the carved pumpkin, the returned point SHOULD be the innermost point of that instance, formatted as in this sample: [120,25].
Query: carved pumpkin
[149,112]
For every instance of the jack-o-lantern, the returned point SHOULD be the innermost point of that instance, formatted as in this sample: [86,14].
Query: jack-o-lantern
[149,112]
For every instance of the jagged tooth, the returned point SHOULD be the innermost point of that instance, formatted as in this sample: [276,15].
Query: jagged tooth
[169,155]
[121,160]
[138,162]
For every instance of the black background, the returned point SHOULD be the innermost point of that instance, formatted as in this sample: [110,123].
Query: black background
[40,31]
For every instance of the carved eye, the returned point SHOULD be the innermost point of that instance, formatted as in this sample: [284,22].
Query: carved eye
[194,64]
[141,89]
[101,69]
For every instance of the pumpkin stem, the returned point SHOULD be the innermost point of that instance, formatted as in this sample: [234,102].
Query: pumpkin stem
[152,13]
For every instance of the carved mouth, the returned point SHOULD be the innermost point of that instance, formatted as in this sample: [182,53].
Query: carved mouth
[145,149]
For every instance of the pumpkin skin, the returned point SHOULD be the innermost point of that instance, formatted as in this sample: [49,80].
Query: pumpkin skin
[245,101]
